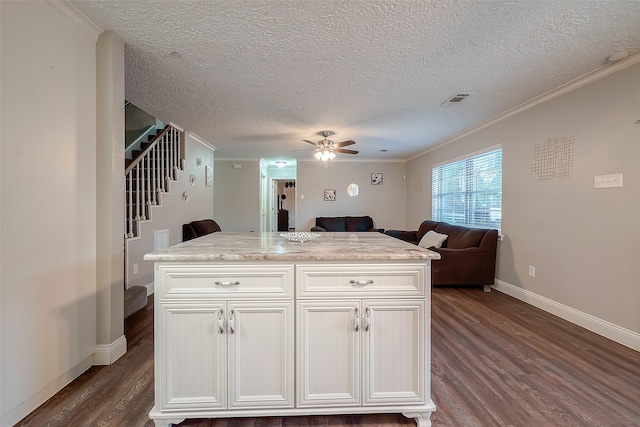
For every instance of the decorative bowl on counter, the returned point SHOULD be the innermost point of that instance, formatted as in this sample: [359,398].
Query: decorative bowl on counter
[300,236]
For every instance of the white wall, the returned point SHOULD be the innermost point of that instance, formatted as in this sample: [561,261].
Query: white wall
[384,203]
[237,195]
[582,241]
[48,219]
[173,211]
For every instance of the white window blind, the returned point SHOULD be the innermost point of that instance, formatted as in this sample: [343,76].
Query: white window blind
[469,191]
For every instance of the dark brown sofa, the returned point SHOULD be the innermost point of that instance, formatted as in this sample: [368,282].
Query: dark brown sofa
[345,223]
[468,255]
[199,228]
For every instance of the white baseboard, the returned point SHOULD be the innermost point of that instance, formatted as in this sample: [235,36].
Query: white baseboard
[14,415]
[106,354]
[601,327]
[150,288]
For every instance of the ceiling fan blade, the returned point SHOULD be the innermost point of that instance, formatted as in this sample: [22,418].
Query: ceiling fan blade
[344,150]
[312,143]
[344,143]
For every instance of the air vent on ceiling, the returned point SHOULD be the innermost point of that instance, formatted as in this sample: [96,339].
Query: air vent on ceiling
[456,99]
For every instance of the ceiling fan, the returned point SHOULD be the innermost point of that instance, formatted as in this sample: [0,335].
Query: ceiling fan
[327,149]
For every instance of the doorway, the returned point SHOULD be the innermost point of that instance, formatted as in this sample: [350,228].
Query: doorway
[278,194]
[284,191]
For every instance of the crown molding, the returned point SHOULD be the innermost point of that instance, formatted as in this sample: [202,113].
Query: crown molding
[563,89]
[200,140]
[176,126]
[67,9]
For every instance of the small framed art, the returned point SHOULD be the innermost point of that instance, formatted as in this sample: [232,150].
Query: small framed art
[208,176]
[376,178]
[330,194]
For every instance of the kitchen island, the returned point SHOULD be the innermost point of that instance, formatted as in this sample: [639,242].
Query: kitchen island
[250,324]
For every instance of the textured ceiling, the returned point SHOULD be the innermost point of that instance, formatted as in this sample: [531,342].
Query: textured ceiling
[254,78]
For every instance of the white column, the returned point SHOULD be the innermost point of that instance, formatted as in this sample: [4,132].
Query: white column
[111,343]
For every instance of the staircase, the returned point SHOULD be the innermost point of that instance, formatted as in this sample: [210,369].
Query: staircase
[147,176]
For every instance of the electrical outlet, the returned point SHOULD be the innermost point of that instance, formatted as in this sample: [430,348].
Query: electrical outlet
[135,268]
[607,181]
[532,271]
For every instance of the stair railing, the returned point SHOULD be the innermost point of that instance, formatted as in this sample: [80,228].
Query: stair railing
[148,175]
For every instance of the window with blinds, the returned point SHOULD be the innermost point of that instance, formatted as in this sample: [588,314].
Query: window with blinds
[468,191]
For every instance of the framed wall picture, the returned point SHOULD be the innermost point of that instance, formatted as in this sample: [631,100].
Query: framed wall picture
[208,176]
[376,178]
[330,194]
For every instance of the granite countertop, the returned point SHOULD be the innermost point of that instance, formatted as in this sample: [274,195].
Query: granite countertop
[225,246]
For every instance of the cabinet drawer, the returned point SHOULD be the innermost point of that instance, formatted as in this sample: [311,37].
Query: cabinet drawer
[327,280]
[236,281]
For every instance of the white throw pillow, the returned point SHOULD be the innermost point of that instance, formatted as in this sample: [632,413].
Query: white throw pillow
[432,239]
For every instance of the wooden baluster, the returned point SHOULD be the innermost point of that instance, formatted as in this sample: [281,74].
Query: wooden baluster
[167,157]
[160,171]
[174,165]
[152,176]
[148,183]
[143,190]
[130,205]
[137,168]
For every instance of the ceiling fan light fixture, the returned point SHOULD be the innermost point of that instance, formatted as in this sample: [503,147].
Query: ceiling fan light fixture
[325,154]
[326,148]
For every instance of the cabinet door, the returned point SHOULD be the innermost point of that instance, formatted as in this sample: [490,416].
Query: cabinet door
[260,340]
[328,353]
[190,356]
[394,352]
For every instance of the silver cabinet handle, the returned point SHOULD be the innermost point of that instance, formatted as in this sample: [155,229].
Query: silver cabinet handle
[356,320]
[226,284]
[221,322]
[232,322]
[367,319]
[361,282]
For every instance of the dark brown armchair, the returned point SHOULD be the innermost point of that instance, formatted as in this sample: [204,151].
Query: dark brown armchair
[199,228]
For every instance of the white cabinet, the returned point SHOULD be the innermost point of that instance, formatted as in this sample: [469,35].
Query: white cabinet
[221,343]
[260,355]
[328,353]
[226,335]
[361,351]
[190,356]
[226,355]
[394,361]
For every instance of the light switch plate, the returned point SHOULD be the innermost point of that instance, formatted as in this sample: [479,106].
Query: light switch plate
[608,181]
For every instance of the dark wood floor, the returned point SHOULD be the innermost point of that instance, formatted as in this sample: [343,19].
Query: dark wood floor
[496,361]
